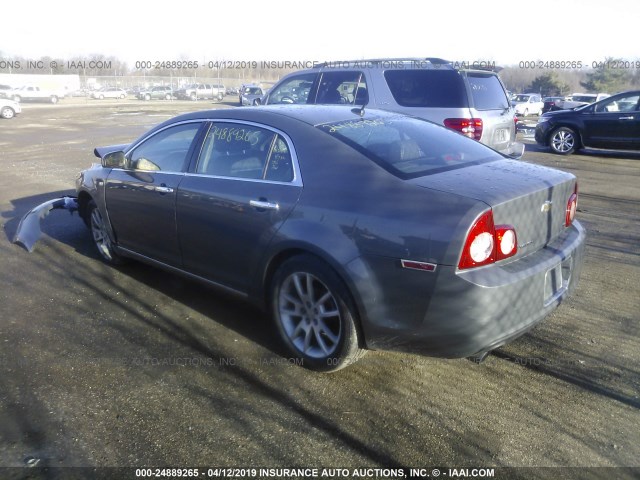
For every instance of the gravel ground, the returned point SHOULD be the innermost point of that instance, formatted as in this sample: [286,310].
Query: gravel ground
[134,367]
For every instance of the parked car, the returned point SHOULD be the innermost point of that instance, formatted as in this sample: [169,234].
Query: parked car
[610,123]
[200,91]
[35,93]
[580,100]
[109,92]
[473,102]
[456,251]
[4,89]
[527,104]
[251,95]
[156,93]
[550,103]
[9,108]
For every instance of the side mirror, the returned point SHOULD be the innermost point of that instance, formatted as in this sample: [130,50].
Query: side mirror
[114,160]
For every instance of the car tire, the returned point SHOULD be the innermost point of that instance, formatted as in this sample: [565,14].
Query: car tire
[314,314]
[194,97]
[257,102]
[53,99]
[147,97]
[101,97]
[564,141]
[122,97]
[220,97]
[167,97]
[100,235]
[7,112]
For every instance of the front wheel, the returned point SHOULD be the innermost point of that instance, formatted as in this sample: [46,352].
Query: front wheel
[314,314]
[7,113]
[100,234]
[563,141]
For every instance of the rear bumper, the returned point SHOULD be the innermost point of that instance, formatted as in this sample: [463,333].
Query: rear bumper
[481,309]
[514,150]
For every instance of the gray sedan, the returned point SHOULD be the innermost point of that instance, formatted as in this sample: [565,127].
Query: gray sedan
[356,229]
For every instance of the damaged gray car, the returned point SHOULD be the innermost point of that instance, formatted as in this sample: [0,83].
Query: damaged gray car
[356,229]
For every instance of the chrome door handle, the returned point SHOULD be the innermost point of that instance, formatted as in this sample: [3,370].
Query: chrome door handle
[625,118]
[264,205]
[163,189]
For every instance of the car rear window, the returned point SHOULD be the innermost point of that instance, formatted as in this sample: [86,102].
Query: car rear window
[487,92]
[427,88]
[409,147]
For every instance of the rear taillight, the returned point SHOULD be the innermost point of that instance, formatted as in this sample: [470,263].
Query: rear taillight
[515,119]
[470,127]
[572,206]
[487,243]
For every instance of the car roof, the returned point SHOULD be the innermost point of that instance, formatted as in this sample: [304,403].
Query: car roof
[309,114]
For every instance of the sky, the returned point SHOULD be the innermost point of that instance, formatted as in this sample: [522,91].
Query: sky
[506,32]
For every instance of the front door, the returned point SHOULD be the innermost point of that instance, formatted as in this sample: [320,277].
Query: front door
[141,199]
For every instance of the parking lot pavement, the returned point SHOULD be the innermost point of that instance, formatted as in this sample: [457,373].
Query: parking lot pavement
[131,366]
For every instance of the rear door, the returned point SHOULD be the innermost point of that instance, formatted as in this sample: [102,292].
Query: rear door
[245,184]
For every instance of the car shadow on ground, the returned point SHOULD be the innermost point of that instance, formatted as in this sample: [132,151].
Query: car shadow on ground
[232,312]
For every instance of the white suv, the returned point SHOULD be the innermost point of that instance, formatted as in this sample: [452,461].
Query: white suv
[473,102]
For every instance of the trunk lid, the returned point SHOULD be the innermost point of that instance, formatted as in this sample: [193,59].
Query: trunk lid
[531,198]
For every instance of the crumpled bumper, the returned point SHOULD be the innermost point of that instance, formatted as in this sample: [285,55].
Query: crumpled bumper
[29,232]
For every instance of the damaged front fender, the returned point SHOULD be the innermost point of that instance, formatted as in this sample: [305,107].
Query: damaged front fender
[29,232]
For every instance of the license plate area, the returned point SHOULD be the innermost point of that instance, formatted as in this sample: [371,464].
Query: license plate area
[501,135]
[556,281]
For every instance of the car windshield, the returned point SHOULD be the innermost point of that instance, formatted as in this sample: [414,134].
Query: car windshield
[521,98]
[487,92]
[409,147]
[253,91]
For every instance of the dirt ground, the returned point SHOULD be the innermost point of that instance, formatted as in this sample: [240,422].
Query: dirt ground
[134,367]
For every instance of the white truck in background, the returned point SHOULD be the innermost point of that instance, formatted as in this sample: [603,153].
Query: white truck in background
[580,100]
[34,92]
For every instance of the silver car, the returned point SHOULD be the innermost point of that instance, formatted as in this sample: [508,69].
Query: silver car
[473,102]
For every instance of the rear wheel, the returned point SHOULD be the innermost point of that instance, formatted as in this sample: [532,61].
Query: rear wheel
[564,141]
[314,314]
[53,99]
[167,97]
[100,234]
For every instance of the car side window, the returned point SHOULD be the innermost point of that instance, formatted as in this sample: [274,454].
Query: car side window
[165,151]
[245,151]
[294,90]
[620,104]
[342,88]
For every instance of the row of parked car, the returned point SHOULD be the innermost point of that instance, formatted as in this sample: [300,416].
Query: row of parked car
[533,104]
